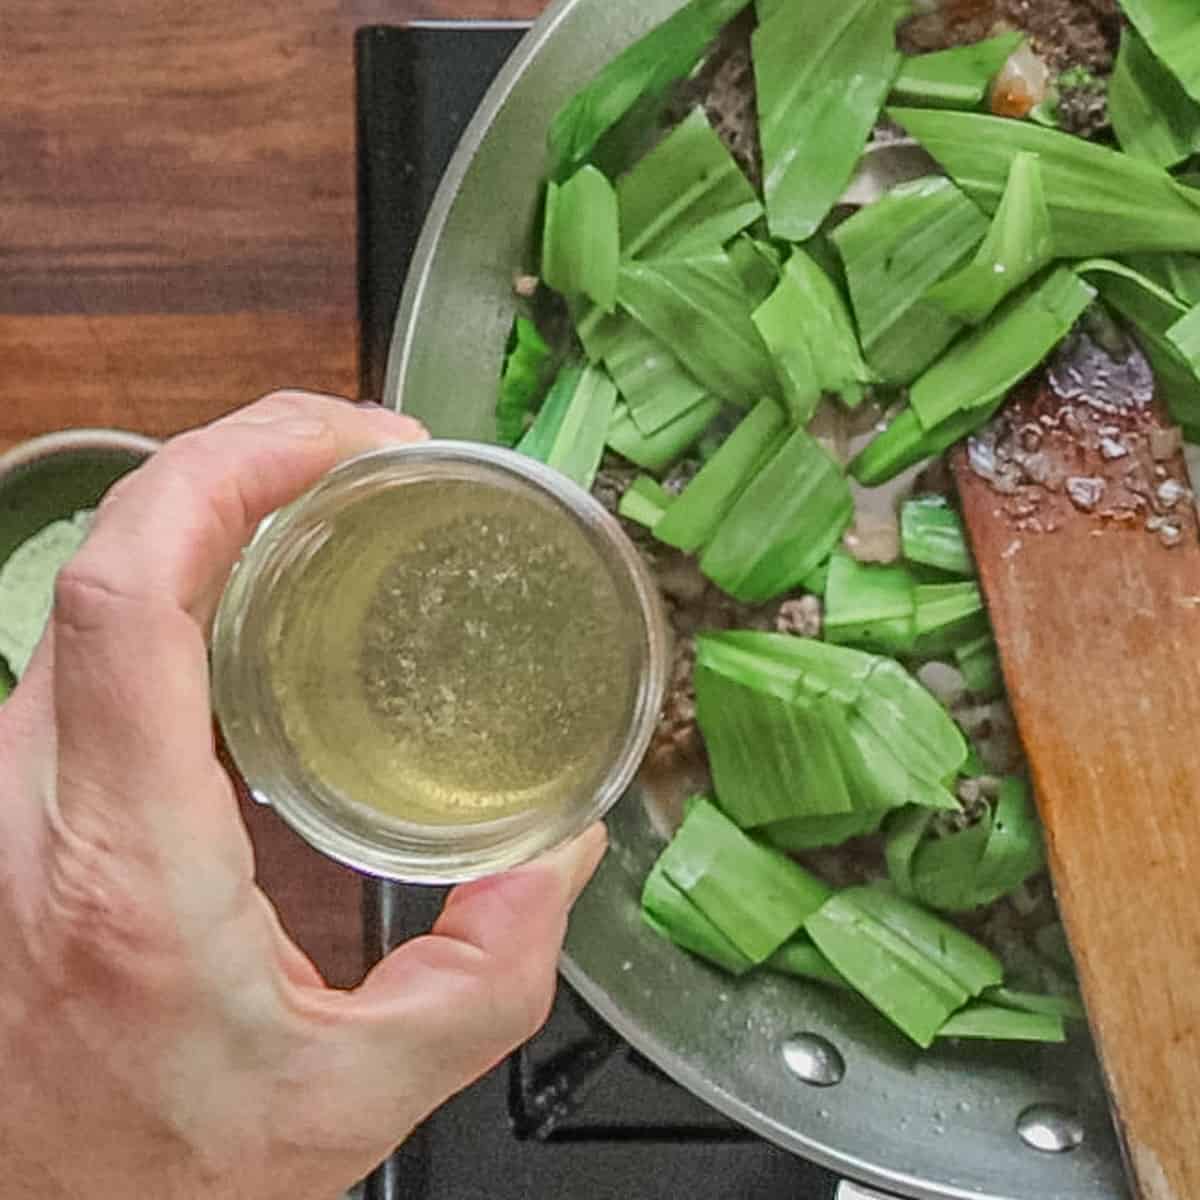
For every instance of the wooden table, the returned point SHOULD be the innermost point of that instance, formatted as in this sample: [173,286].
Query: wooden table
[177,237]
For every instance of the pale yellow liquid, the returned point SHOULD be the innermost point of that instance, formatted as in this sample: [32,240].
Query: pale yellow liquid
[454,652]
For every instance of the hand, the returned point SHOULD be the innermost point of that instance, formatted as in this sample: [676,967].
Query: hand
[160,1034]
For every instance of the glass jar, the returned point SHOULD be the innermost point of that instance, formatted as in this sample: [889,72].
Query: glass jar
[442,661]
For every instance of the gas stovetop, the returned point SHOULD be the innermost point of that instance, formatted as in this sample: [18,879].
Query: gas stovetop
[577,1112]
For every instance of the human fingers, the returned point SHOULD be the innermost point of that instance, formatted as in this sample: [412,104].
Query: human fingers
[442,1010]
[131,690]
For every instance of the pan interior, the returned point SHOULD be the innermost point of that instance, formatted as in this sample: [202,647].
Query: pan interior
[934,1124]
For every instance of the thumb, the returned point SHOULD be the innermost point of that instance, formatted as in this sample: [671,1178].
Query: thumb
[442,1010]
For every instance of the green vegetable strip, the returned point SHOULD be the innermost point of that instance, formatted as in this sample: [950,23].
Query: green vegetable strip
[540,438]
[1069,1007]
[645,501]
[943,869]
[982,366]
[1100,201]
[1016,248]
[906,830]
[1153,117]
[799,957]
[1184,335]
[6,681]
[893,252]
[771,759]
[904,443]
[698,511]
[1172,30]
[812,340]
[756,896]
[643,73]
[687,192]
[916,969]
[946,615]
[808,833]
[869,607]
[651,380]
[979,663]
[784,524]
[1014,850]
[659,450]
[670,913]
[993,1023]
[822,74]
[1151,312]
[956,78]
[758,265]
[579,442]
[522,381]
[879,740]
[932,534]
[1178,274]
[700,310]
[581,238]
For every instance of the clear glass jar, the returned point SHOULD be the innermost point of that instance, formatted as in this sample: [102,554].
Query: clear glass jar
[402,684]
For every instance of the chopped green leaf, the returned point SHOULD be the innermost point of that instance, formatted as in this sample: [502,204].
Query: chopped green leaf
[946,615]
[687,193]
[893,252]
[811,338]
[784,524]
[822,75]
[1178,274]
[698,511]
[868,606]
[1172,29]
[1100,201]
[570,431]
[643,73]
[581,238]
[932,534]
[904,443]
[979,662]
[1184,335]
[1069,1007]
[758,264]
[799,728]
[807,833]
[669,912]
[1153,117]
[645,501]
[801,958]
[7,683]
[699,309]
[651,380]
[659,450]
[982,366]
[1151,312]
[756,896]
[912,966]
[1016,248]
[955,78]
[970,867]
[522,382]
[991,1022]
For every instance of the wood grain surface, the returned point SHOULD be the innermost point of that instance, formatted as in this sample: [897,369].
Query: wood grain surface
[1095,603]
[177,237]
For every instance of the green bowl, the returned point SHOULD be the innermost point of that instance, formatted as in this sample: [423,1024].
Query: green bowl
[52,477]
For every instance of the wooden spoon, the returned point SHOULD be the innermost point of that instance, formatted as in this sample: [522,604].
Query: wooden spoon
[1085,533]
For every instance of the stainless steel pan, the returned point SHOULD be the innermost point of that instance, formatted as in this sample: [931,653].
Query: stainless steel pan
[939,1124]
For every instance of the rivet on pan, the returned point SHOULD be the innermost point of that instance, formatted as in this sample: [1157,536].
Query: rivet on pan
[1050,1128]
[814,1059]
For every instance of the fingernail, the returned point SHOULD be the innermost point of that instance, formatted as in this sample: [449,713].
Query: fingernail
[371,405]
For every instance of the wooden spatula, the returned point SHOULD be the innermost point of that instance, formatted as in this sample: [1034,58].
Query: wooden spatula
[1085,532]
